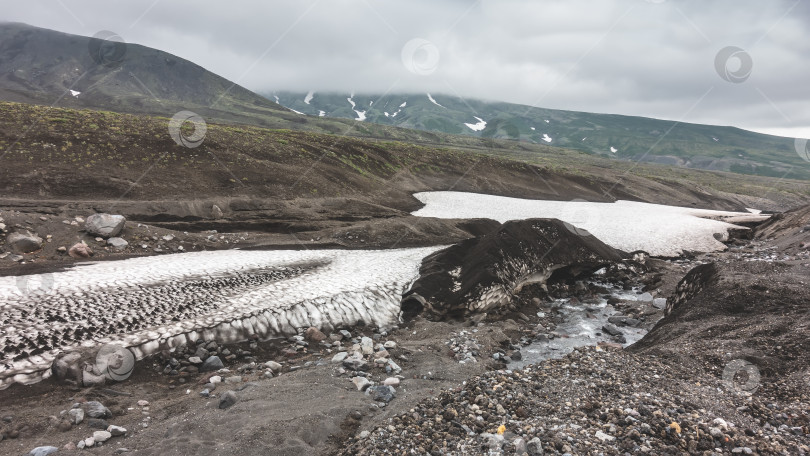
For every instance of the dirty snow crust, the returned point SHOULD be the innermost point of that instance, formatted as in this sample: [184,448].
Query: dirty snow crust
[626,225]
[152,303]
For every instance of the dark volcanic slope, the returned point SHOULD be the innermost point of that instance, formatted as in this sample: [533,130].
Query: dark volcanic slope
[483,274]
[752,305]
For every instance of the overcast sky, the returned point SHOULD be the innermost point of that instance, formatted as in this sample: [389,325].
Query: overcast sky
[639,57]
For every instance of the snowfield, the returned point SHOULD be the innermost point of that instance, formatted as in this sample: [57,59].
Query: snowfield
[626,225]
[222,295]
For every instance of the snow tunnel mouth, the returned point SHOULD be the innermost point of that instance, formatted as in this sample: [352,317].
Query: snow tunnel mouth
[412,305]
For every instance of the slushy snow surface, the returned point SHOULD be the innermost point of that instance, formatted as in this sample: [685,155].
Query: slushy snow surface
[626,225]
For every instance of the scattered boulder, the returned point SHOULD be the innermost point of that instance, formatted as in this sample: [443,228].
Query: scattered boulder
[24,242]
[80,250]
[105,225]
[117,243]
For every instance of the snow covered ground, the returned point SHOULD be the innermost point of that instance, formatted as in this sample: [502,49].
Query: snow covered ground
[626,225]
[223,295]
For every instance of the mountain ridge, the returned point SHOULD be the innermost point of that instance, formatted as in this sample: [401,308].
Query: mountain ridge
[632,138]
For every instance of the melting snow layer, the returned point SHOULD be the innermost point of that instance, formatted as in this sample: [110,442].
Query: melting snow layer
[627,225]
[223,295]
[309,97]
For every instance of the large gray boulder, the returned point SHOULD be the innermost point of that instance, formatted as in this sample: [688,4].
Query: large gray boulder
[24,242]
[105,225]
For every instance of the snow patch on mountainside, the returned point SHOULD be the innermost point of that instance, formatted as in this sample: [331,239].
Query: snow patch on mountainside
[546,138]
[480,125]
[309,97]
[434,101]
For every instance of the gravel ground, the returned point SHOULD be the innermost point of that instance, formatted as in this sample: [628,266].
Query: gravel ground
[596,401]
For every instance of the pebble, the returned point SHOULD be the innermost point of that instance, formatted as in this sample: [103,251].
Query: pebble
[116,431]
[391,381]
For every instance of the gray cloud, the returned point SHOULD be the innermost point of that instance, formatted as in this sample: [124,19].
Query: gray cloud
[634,57]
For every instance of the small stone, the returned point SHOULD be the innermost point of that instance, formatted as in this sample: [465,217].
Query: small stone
[338,358]
[660,303]
[611,329]
[273,366]
[89,442]
[355,364]
[314,334]
[381,393]
[43,451]
[534,447]
[604,437]
[391,381]
[390,344]
[367,345]
[143,403]
[97,423]
[233,379]
[346,334]
[195,360]
[215,379]
[76,415]
[24,243]
[105,225]
[212,363]
[361,383]
[80,250]
[102,436]
[117,243]
[96,409]
[228,399]
[116,431]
